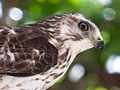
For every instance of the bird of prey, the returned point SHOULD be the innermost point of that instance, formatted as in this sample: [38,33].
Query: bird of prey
[36,56]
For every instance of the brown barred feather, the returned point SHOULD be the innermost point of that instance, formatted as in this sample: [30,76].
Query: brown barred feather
[32,53]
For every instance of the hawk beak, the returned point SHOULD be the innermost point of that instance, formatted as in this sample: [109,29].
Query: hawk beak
[100,44]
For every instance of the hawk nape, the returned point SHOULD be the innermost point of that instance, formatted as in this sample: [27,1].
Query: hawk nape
[35,56]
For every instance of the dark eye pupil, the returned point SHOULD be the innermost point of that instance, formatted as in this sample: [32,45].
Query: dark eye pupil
[83,26]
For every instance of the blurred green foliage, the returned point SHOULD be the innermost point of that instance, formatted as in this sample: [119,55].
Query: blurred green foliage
[98,88]
[93,60]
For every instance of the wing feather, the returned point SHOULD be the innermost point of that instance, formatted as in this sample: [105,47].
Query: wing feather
[25,51]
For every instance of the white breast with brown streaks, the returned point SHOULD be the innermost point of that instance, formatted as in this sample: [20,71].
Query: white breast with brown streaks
[38,82]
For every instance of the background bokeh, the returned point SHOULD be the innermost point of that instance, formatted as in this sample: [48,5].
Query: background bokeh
[92,69]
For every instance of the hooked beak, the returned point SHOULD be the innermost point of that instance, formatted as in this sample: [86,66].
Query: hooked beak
[100,44]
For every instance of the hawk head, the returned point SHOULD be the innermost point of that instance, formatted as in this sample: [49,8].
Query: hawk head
[75,32]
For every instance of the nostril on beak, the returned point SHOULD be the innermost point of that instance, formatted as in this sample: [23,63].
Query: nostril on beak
[99,38]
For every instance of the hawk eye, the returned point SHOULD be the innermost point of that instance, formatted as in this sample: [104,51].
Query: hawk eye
[83,26]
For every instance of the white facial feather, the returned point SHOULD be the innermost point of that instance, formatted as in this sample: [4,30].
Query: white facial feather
[80,46]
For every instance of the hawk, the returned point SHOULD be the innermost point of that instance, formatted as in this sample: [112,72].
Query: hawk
[36,56]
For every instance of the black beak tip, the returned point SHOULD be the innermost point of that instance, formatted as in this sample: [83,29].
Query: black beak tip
[100,45]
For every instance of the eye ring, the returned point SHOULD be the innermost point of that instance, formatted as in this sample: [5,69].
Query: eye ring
[83,26]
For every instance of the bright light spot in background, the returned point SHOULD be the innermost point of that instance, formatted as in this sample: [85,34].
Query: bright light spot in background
[1,11]
[109,14]
[15,14]
[105,2]
[113,64]
[76,72]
